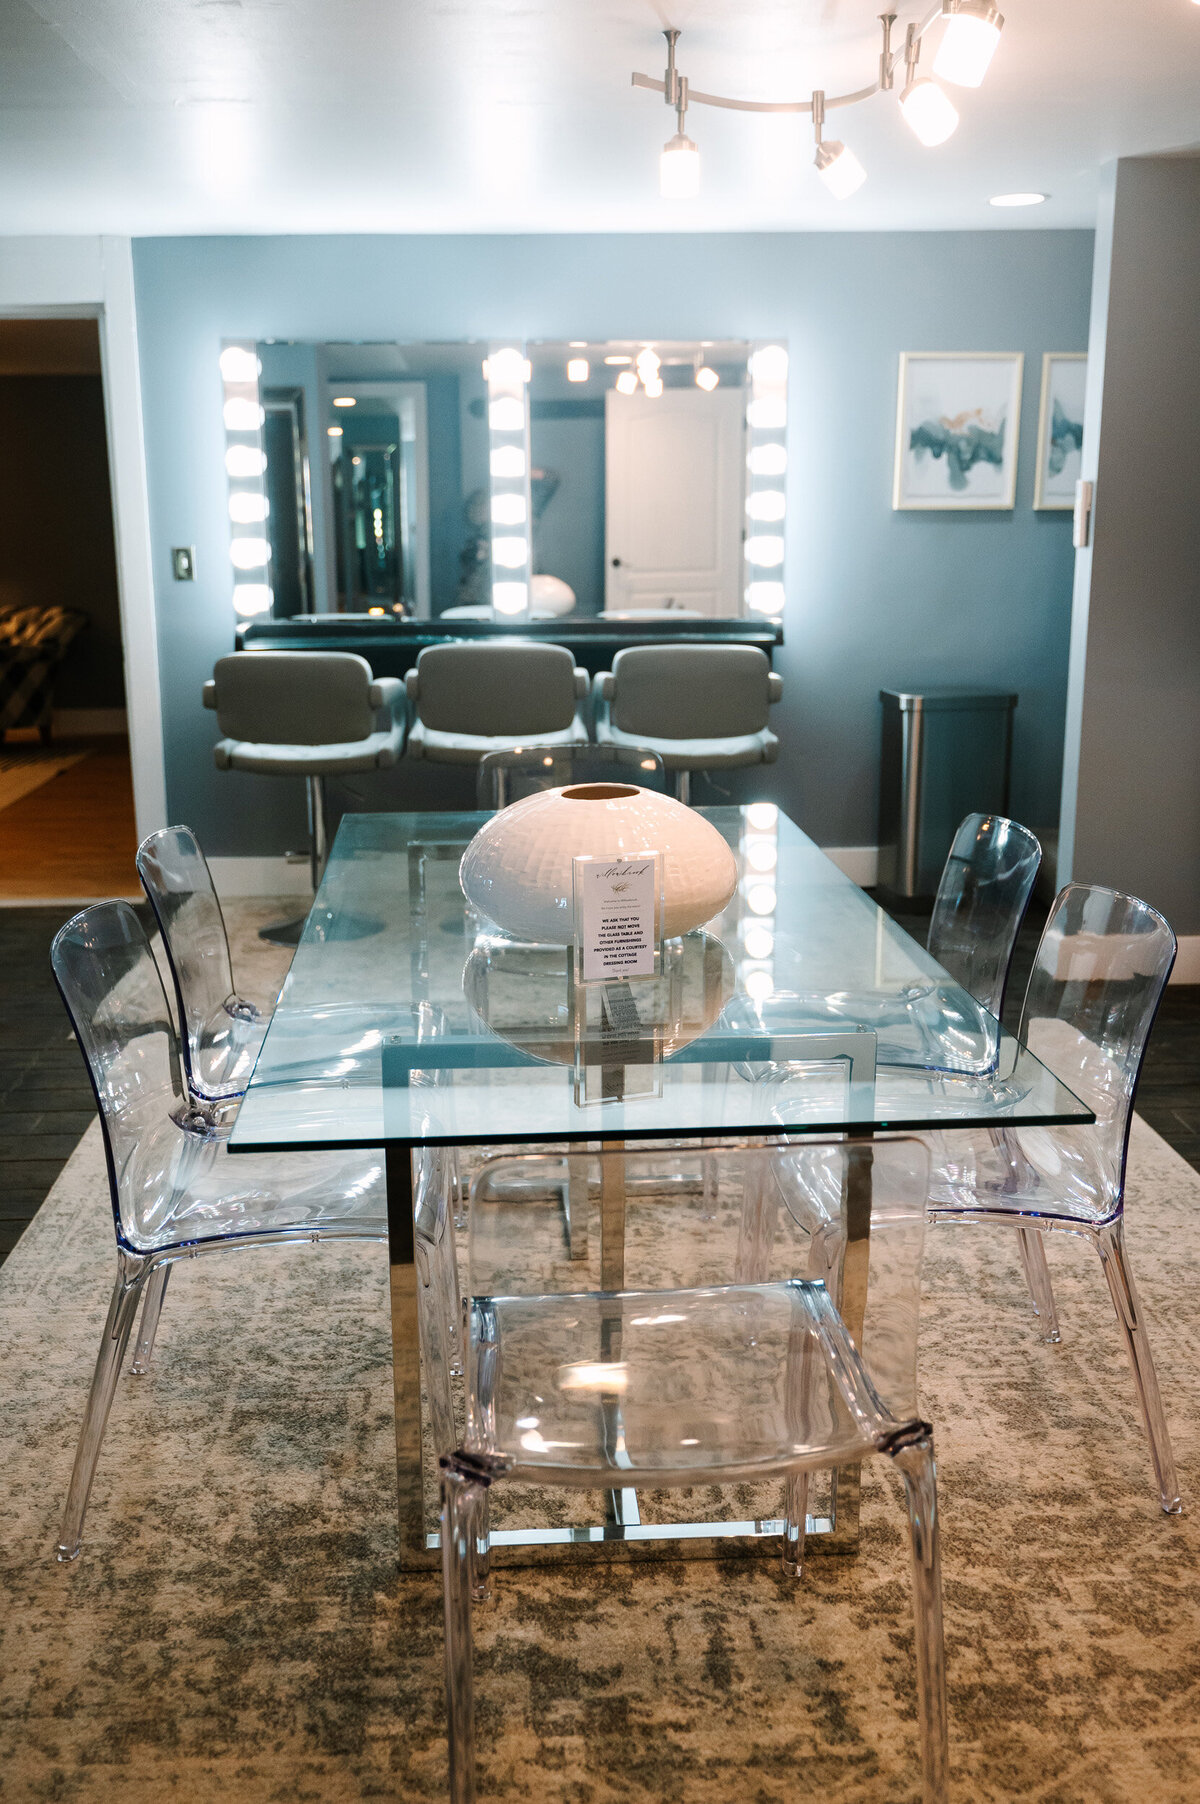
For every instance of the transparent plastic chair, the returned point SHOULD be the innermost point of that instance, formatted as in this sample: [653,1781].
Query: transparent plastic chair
[574,1380]
[175,1190]
[982,897]
[1095,988]
[220,1033]
[510,776]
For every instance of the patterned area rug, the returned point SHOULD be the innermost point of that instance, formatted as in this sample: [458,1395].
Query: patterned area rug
[235,1628]
[24,768]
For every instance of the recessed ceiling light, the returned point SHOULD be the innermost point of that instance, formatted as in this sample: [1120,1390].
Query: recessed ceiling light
[1017,200]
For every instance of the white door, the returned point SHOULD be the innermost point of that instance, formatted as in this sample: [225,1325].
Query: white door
[674,500]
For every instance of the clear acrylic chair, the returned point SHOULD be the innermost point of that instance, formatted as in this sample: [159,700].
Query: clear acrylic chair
[648,1368]
[176,1192]
[220,1033]
[981,901]
[1095,987]
[524,770]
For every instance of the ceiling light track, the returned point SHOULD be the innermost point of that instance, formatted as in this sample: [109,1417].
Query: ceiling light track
[971,32]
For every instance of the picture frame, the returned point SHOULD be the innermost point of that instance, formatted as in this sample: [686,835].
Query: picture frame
[958,425]
[1060,430]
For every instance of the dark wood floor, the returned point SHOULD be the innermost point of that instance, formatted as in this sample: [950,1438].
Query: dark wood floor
[46,1101]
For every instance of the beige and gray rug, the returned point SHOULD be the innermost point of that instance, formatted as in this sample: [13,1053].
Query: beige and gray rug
[235,1629]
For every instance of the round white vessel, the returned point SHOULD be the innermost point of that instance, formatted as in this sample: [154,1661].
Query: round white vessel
[517,870]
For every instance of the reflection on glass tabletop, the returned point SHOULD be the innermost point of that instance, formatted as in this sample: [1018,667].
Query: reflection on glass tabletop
[407,1016]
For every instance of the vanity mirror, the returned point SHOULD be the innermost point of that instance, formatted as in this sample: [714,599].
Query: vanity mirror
[630,479]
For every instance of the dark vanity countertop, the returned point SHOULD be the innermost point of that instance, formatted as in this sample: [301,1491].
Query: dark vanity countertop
[391,645]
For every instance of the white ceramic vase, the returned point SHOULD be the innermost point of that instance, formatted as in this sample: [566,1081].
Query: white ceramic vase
[518,871]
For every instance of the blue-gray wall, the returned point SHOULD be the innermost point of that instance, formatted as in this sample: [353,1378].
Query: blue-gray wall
[875,598]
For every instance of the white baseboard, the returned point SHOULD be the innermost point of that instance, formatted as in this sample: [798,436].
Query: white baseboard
[72,723]
[1187,962]
[859,863]
[260,877]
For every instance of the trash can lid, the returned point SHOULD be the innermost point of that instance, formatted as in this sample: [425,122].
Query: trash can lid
[916,701]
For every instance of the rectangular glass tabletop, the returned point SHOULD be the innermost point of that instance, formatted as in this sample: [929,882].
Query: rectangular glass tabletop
[802,1007]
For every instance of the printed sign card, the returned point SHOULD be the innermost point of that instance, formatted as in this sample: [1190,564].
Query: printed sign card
[616,909]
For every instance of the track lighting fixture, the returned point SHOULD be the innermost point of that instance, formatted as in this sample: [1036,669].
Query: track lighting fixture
[970,32]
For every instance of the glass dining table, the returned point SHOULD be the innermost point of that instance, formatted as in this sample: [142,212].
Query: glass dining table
[802,1009]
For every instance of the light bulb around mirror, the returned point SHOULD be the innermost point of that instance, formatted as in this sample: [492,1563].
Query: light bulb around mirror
[249,554]
[508,461]
[577,369]
[767,460]
[510,598]
[245,461]
[508,510]
[969,43]
[239,365]
[248,510]
[510,553]
[653,386]
[627,383]
[507,368]
[507,414]
[928,111]
[767,413]
[242,416]
[839,169]
[769,367]
[706,379]
[679,169]
[766,504]
[765,598]
[764,549]
[250,599]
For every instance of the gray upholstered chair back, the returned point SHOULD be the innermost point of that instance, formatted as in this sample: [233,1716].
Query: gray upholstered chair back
[293,697]
[692,691]
[494,688]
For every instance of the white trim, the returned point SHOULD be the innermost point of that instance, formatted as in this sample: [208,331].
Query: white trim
[859,863]
[71,723]
[261,877]
[92,278]
[131,522]
[1187,962]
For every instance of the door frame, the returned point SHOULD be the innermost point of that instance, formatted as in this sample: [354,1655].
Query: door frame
[92,278]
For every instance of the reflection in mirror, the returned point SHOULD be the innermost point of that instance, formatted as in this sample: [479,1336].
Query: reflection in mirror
[376,477]
[644,478]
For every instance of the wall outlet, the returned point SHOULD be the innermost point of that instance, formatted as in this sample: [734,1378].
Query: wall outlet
[183,563]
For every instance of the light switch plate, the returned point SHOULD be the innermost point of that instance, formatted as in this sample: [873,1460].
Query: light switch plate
[183,563]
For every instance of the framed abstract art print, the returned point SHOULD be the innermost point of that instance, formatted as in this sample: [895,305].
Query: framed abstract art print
[1060,428]
[958,420]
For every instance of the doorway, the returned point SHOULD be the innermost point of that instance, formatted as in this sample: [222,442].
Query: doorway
[67,829]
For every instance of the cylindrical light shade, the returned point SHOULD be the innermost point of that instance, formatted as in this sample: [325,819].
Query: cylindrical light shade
[839,168]
[679,169]
[972,33]
[929,111]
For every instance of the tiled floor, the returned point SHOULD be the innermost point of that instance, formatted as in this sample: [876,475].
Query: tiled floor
[46,1102]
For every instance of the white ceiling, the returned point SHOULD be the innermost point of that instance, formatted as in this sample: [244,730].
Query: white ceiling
[151,116]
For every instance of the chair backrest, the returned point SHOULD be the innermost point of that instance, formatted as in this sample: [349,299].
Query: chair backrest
[691,691]
[113,993]
[179,887]
[981,901]
[1093,993]
[510,776]
[293,697]
[492,688]
[816,1193]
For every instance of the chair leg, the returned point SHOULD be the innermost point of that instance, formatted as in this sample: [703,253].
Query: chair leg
[1037,1276]
[795,1521]
[1110,1242]
[122,1312]
[316,829]
[756,1230]
[683,785]
[143,1346]
[914,1459]
[461,1494]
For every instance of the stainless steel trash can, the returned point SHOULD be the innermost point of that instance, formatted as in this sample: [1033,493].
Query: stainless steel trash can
[945,753]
